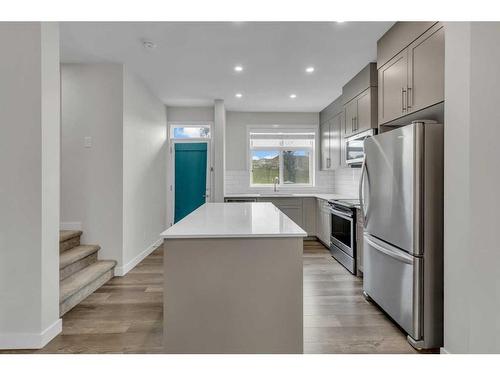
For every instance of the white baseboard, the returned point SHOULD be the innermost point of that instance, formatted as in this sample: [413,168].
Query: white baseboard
[31,340]
[71,225]
[442,350]
[123,270]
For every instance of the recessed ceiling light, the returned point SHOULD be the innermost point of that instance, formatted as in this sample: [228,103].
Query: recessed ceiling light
[310,69]
[293,96]
[239,95]
[238,68]
[149,44]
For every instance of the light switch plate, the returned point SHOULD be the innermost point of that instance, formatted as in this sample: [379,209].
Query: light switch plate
[87,142]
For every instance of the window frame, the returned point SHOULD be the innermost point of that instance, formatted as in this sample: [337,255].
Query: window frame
[283,129]
[174,125]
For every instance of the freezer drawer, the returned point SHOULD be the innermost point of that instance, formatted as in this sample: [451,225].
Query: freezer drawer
[392,279]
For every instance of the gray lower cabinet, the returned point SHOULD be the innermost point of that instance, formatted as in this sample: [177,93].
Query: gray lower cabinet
[301,210]
[309,216]
[414,78]
[310,213]
[323,222]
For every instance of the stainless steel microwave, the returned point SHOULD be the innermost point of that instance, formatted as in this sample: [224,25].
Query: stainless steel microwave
[354,149]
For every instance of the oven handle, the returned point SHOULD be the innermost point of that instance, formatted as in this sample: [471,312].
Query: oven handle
[340,213]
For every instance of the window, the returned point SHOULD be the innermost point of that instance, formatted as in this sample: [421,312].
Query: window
[189,131]
[287,157]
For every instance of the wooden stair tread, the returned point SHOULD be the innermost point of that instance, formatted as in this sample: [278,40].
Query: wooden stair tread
[80,279]
[75,254]
[65,235]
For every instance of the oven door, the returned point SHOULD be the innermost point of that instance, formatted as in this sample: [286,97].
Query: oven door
[342,230]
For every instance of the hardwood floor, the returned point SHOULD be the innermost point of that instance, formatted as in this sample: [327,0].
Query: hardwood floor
[125,315]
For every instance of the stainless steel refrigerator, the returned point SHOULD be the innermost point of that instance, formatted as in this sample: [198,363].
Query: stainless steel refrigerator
[401,193]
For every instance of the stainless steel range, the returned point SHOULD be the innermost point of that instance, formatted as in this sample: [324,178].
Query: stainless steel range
[343,232]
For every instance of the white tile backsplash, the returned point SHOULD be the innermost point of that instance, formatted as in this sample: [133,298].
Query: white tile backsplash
[346,181]
[340,181]
[238,182]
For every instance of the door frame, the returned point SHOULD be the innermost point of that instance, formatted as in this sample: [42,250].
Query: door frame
[171,164]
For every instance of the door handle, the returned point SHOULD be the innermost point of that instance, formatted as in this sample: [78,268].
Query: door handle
[403,99]
[409,99]
[361,203]
[390,250]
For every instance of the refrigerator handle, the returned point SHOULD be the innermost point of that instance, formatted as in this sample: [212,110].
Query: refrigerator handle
[361,180]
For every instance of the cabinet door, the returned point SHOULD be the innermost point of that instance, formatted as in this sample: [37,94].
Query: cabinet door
[335,140]
[364,118]
[392,83]
[309,215]
[325,145]
[351,112]
[326,227]
[426,69]
[294,213]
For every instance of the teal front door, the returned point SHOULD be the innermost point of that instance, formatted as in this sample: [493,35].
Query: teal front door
[190,178]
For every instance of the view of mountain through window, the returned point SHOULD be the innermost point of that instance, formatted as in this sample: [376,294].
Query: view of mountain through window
[287,156]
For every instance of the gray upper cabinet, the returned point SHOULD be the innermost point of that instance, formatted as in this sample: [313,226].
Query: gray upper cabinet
[392,80]
[325,145]
[426,70]
[414,78]
[331,125]
[366,117]
[336,126]
[351,112]
[360,101]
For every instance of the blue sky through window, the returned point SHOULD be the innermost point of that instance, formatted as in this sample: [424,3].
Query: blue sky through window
[258,155]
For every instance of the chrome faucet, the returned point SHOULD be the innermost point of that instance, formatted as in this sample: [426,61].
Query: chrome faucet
[276,181]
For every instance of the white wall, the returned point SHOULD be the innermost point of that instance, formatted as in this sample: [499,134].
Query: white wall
[144,170]
[219,152]
[29,187]
[117,188]
[472,177]
[91,178]
[237,177]
[190,114]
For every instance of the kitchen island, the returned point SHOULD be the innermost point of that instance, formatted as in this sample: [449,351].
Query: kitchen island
[233,281]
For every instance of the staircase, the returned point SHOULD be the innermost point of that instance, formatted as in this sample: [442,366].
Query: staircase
[80,273]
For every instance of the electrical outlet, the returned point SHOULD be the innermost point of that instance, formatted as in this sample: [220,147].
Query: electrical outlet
[87,142]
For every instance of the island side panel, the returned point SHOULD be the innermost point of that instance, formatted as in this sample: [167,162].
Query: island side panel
[233,295]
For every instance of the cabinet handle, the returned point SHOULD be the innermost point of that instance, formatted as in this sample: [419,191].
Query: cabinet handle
[355,122]
[403,97]
[328,162]
[409,100]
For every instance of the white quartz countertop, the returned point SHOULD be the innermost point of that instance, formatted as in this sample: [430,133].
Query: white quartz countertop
[221,220]
[325,196]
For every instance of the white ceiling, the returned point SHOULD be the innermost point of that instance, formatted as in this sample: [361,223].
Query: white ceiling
[193,62]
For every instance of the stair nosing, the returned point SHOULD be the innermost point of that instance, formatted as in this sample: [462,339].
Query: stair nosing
[92,250]
[76,233]
[62,298]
